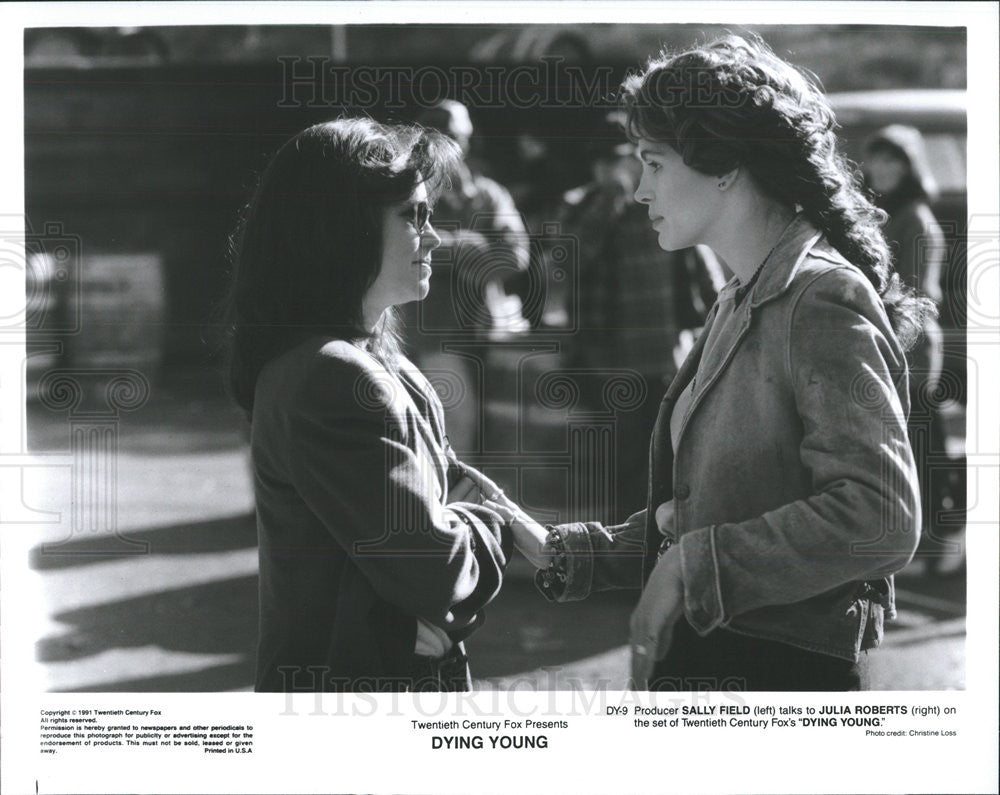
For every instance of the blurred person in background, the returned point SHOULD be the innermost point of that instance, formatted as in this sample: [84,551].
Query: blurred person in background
[640,306]
[783,493]
[484,247]
[899,174]
[376,558]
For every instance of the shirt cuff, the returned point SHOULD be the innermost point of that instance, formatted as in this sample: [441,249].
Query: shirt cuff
[571,581]
[702,585]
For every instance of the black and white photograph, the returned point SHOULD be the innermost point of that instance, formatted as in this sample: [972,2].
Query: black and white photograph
[425,354]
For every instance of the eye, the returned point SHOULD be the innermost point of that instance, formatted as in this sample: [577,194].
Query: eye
[652,165]
[418,215]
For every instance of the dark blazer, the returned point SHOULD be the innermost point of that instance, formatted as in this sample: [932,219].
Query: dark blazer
[351,476]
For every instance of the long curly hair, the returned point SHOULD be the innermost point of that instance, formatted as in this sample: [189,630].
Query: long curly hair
[308,245]
[733,103]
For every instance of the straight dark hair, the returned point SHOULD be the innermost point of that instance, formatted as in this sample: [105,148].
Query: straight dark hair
[733,102]
[308,245]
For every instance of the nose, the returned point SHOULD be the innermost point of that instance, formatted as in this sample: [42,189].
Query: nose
[642,193]
[430,239]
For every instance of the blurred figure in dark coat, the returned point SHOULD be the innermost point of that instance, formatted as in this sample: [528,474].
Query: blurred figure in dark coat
[898,172]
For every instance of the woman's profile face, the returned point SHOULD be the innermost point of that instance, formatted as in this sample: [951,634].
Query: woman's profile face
[681,202]
[406,252]
[885,171]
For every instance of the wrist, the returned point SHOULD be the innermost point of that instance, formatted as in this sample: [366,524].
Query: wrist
[552,560]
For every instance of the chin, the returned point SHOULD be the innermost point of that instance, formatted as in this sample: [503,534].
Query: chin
[666,243]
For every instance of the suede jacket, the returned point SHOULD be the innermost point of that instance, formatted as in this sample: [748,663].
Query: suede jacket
[357,539]
[793,484]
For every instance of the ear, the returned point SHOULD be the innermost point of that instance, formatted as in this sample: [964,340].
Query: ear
[727,179]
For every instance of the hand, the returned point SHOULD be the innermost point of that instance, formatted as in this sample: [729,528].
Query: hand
[665,518]
[529,536]
[475,487]
[652,625]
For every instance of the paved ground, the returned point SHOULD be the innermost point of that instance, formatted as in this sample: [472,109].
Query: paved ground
[174,608]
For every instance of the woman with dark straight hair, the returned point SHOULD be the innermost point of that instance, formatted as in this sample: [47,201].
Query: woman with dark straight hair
[782,492]
[376,559]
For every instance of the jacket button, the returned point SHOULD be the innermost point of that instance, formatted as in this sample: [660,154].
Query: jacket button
[683,492]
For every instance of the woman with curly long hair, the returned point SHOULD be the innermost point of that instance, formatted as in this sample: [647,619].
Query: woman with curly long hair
[376,558]
[782,492]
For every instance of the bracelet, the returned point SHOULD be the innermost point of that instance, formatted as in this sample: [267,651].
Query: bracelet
[556,570]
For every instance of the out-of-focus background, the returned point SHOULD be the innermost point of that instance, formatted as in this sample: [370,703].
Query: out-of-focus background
[142,144]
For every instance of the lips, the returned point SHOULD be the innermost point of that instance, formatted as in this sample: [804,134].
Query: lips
[655,219]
